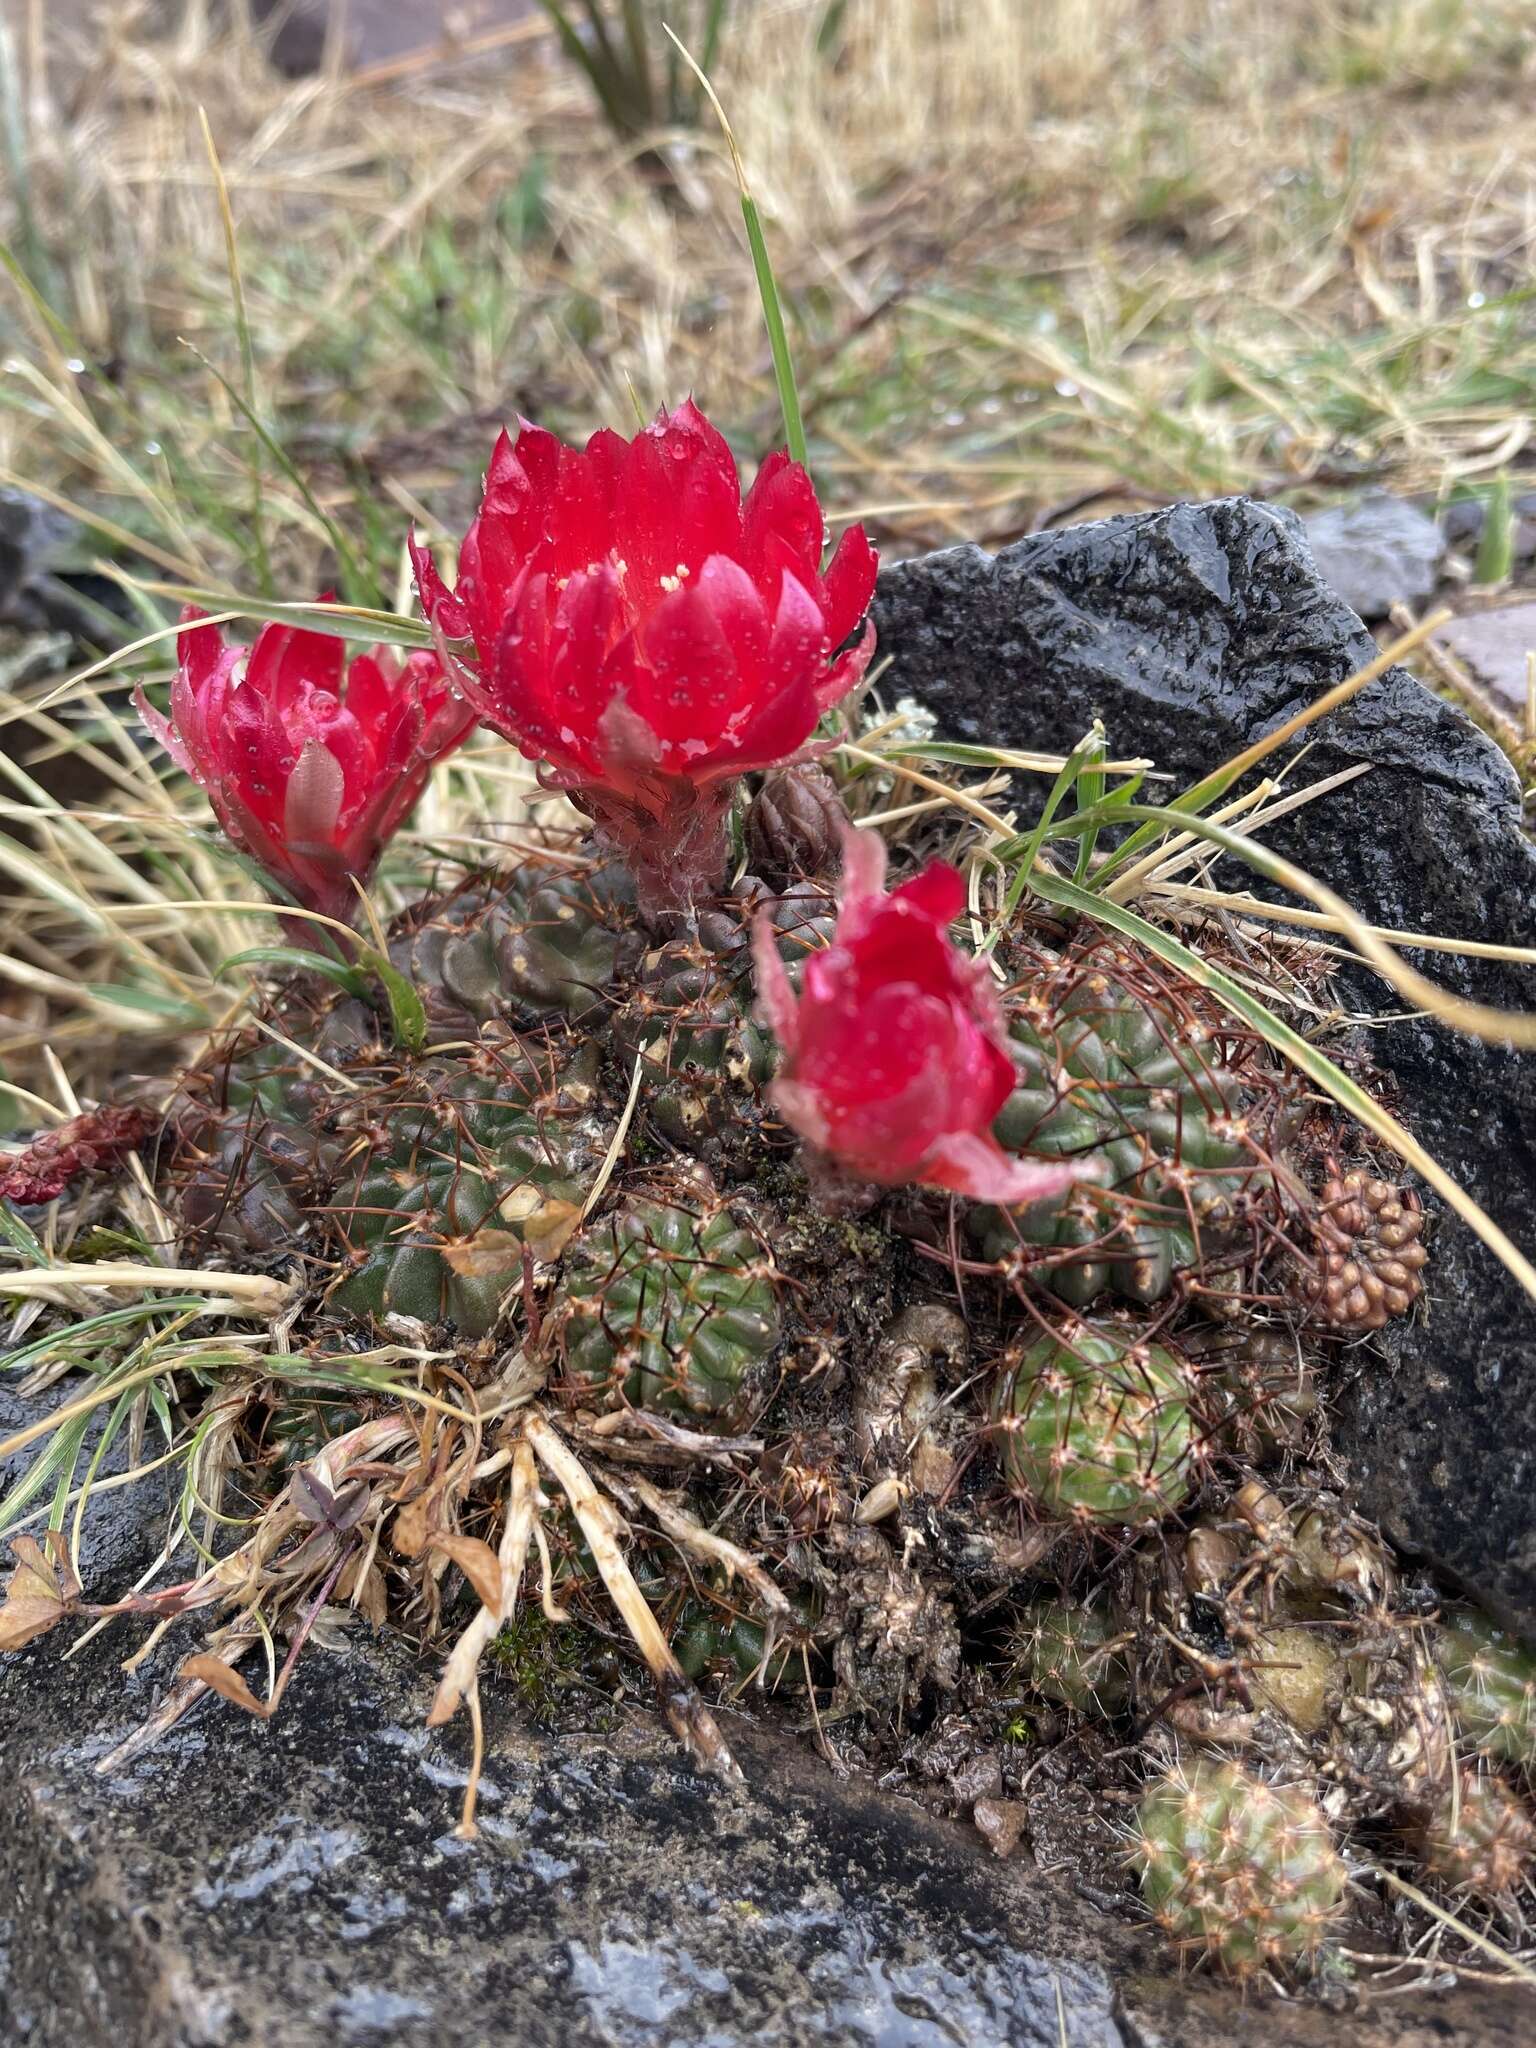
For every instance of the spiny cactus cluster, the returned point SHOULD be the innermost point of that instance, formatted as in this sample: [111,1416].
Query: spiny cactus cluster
[589,1148]
[1236,1869]
[1072,1655]
[1492,1679]
[1370,1259]
[669,1305]
[550,940]
[1097,1426]
[1161,1102]
[1481,1837]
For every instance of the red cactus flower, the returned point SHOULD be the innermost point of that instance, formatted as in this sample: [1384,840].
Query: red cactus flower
[648,635]
[311,762]
[895,1053]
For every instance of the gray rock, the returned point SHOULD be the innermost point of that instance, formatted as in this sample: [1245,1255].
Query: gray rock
[1377,551]
[31,533]
[378,31]
[1494,646]
[1192,631]
[298,1885]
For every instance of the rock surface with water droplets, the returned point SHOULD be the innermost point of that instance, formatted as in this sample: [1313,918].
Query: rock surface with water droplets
[300,1885]
[1193,631]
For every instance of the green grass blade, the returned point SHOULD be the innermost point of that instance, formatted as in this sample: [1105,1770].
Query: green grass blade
[767,285]
[349,978]
[359,577]
[406,1010]
[714,25]
[1496,550]
[247,349]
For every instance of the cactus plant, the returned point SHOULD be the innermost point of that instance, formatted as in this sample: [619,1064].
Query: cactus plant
[478,1163]
[1071,1654]
[1112,1077]
[421,1182]
[1369,1258]
[1493,1686]
[1263,1388]
[669,1303]
[691,1025]
[1480,1838]
[1235,1869]
[553,940]
[1096,1426]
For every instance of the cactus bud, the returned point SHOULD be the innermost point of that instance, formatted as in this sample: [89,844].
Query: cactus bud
[794,825]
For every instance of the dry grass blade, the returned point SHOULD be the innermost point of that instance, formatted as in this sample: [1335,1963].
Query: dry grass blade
[685,1529]
[1514,1970]
[460,1682]
[240,1294]
[691,1721]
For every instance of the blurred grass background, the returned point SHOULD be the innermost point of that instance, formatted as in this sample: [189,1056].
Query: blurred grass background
[1041,259]
[1030,252]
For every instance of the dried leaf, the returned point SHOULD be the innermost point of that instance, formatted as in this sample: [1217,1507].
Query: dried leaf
[313,1499]
[349,1506]
[479,1564]
[411,1530]
[42,1590]
[228,1684]
[371,1598]
[488,1255]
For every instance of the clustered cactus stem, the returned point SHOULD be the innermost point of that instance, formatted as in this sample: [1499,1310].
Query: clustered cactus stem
[882,1319]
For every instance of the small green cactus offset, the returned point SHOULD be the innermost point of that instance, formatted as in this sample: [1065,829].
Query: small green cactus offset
[1480,1838]
[1109,1076]
[670,1304]
[691,1024]
[1237,1870]
[1492,1680]
[1095,1426]
[1072,1655]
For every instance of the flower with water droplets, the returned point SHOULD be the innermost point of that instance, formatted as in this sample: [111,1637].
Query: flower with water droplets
[895,1051]
[310,761]
[628,620]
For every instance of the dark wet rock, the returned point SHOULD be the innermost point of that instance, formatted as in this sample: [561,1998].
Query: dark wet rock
[1192,631]
[31,535]
[299,1885]
[1376,552]
[123,1527]
[1493,647]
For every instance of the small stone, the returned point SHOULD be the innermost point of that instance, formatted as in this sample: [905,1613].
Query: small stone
[1494,647]
[1377,552]
[1001,1822]
[377,31]
[1462,523]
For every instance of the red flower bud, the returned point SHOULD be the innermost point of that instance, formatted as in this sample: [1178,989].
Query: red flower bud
[94,1138]
[895,1053]
[624,617]
[311,762]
